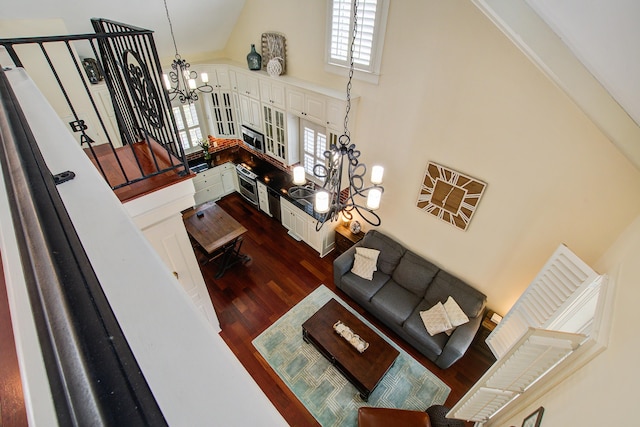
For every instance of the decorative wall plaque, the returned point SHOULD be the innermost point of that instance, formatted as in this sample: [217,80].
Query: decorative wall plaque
[449,195]
[274,46]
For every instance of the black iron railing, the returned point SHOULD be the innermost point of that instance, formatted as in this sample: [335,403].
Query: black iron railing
[93,375]
[132,109]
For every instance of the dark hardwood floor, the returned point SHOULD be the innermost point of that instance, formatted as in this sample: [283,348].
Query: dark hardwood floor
[248,299]
[282,271]
[12,408]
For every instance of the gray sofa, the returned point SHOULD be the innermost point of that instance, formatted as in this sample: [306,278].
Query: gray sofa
[405,284]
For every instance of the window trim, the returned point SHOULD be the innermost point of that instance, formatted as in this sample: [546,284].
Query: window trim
[372,75]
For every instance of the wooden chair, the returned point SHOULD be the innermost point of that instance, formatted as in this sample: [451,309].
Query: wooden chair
[385,417]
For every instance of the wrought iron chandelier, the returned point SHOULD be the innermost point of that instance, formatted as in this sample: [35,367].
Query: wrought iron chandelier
[181,81]
[330,200]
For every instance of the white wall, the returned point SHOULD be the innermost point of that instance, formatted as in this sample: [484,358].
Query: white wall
[456,91]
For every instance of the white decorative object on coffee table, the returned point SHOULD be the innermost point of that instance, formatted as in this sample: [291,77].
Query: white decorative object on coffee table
[352,338]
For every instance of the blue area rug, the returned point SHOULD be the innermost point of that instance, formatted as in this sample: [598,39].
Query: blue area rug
[330,398]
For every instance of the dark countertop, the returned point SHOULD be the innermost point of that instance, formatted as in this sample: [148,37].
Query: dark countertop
[273,177]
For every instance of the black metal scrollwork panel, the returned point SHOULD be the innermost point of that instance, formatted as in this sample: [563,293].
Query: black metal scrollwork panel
[142,89]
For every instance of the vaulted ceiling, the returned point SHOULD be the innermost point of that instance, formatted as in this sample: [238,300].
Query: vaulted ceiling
[603,36]
[199,26]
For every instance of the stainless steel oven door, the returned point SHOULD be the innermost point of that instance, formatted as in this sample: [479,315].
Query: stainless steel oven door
[248,189]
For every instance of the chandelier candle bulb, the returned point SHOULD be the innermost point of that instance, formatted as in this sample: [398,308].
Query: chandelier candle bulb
[192,84]
[376,174]
[322,202]
[373,198]
[298,175]
[204,77]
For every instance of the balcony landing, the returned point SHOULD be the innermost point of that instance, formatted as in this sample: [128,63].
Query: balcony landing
[107,159]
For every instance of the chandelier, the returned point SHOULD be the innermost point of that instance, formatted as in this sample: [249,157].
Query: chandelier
[181,81]
[330,200]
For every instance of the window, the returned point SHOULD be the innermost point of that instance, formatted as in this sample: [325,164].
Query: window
[371,21]
[314,143]
[188,125]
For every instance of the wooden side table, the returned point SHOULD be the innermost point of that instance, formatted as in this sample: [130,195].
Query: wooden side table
[486,327]
[345,238]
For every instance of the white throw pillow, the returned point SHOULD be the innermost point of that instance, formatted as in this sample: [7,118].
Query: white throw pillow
[369,253]
[363,266]
[435,319]
[455,314]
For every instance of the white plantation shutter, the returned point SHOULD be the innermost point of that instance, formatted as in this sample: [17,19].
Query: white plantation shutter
[341,31]
[314,144]
[369,34]
[557,321]
[536,353]
[564,281]
[188,125]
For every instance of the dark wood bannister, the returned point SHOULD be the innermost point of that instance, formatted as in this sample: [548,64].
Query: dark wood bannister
[250,297]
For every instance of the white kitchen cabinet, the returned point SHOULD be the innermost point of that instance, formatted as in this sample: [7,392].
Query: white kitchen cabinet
[272,93]
[247,84]
[210,184]
[218,74]
[308,105]
[336,109]
[302,226]
[324,240]
[221,114]
[263,198]
[250,112]
[294,220]
[229,178]
[279,142]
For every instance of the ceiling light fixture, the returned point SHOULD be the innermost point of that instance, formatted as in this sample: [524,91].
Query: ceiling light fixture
[330,200]
[181,81]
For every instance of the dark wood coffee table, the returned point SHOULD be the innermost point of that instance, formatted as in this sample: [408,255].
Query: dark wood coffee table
[363,370]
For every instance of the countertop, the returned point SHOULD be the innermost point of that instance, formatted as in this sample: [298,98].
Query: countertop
[273,177]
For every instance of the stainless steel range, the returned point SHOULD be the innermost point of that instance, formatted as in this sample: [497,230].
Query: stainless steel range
[247,183]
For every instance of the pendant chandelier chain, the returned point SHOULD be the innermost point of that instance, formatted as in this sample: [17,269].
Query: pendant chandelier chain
[173,37]
[351,68]
[181,81]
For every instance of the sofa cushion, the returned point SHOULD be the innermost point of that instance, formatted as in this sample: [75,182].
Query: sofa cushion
[390,250]
[414,327]
[444,285]
[414,273]
[361,289]
[394,302]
